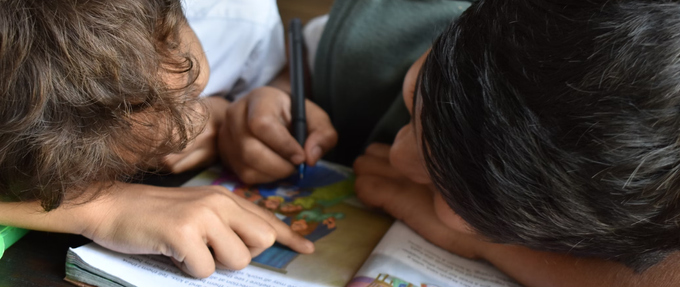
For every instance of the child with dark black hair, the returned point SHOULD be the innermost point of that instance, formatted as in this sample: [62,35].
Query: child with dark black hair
[544,135]
[551,125]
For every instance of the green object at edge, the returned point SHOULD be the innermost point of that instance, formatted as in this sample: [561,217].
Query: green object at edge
[9,235]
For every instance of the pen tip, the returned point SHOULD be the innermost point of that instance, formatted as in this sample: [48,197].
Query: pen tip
[301,171]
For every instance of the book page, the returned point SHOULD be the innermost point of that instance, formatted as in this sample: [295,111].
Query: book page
[322,208]
[148,270]
[403,258]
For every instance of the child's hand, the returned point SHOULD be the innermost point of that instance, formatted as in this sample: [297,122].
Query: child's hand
[257,144]
[202,151]
[380,185]
[183,222]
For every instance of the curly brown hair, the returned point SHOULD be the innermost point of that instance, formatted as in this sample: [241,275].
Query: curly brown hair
[82,95]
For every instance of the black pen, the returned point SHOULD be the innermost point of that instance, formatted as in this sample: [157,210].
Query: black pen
[297,105]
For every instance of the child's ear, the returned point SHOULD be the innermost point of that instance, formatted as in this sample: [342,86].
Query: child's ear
[449,217]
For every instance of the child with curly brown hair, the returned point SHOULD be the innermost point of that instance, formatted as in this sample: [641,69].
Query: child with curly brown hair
[91,93]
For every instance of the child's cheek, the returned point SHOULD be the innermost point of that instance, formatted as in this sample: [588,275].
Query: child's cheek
[449,217]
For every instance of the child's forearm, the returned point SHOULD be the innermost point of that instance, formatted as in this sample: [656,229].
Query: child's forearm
[175,222]
[30,215]
[536,268]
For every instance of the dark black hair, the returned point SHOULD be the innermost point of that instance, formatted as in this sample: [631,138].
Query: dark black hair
[554,125]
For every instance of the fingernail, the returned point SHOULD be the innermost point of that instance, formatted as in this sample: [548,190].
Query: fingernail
[309,245]
[296,159]
[316,152]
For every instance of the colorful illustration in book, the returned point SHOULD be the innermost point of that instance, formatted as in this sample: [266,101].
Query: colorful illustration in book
[300,203]
[382,281]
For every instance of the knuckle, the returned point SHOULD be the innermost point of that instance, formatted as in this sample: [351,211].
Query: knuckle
[332,136]
[218,189]
[219,198]
[258,93]
[205,212]
[207,208]
[266,237]
[275,94]
[261,125]
[213,189]
[184,230]
[249,176]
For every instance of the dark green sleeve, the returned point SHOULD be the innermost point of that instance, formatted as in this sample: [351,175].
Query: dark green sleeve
[364,53]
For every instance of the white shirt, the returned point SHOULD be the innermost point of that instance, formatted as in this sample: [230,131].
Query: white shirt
[243,41]
[312,33]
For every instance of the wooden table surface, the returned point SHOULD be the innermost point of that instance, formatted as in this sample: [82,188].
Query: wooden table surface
[303,9]
[38,259]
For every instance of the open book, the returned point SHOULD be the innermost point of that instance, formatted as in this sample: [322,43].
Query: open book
[355,247]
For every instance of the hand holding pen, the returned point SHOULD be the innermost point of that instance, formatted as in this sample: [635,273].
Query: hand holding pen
[256,141]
